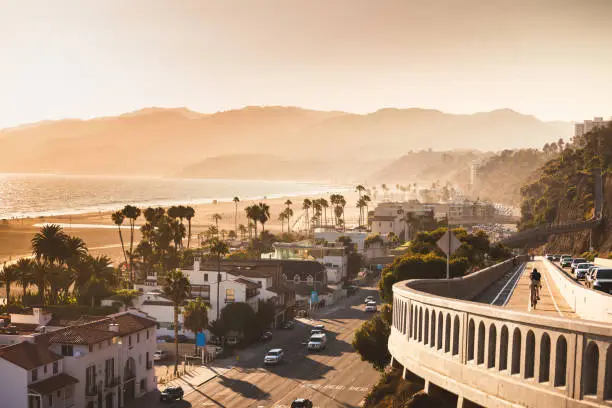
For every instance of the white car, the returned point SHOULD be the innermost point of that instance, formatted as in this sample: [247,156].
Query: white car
[581,270]
[160,355]
[274,356]
[371,307]
[369,299]
[317,342]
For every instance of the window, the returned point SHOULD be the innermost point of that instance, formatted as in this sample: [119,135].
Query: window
[45,369]
[230,296]
[205,277]
[137,337]
[109,370]
[147,334]
[55,367]
[35,375]
[129,340]
[90,378]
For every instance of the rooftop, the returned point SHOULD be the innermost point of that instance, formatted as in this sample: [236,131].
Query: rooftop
[28,355]
[52,384]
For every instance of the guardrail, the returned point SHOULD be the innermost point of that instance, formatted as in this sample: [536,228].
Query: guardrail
[497,357]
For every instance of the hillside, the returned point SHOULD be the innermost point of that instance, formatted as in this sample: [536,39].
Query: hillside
[160,141]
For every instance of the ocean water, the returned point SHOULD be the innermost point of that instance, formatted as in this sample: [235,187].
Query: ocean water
[36,195]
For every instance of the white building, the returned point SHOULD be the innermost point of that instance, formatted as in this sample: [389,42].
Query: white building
[357,237]
[395,217]
[104,363]
[580,129]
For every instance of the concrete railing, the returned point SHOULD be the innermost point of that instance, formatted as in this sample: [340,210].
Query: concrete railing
[589,304]
[496,357]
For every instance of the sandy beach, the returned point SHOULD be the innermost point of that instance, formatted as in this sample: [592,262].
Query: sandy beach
[15,235]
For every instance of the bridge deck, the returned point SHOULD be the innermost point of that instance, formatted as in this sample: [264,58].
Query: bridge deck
[551,301]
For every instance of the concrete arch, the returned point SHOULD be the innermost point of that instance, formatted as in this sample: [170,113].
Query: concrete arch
[432,341]
[530,354]
[447,333]
[405,319]
[413,328]
[492,346]
[426,329]
[481,344]
[471,340]
[544,371]
[440,330]
[456,339]
[608,375]
[561,362]
[516,352]
[590,369]
[503,348]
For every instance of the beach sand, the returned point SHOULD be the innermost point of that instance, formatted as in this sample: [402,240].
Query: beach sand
[15,235]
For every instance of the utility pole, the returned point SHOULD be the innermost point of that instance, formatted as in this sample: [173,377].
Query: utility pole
[449,246]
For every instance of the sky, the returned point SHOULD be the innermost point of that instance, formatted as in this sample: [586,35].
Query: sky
[88,58]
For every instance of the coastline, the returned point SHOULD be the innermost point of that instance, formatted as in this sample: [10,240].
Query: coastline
[93,227]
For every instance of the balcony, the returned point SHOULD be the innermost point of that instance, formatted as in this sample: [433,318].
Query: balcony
[111,382]
[129,375]
[91,390]
[149,365]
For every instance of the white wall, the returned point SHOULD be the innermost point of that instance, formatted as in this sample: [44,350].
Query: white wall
[138,351]
[587,303]
[13,385]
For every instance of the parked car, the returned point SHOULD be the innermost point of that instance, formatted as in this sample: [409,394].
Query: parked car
[288,325]
[368,299]
[318,341]
[371,307]
[588,280]
[581,270]
[232,341]
[576,262]
[160,355]
[319,327]
[265,336]
[171,394]
[549,257]
[274,356]
[556,258]
[301,403]
[602,280]
[566,262]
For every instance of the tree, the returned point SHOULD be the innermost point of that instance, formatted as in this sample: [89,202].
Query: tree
[324,206]
[189,214]
[118,218]
[195,317]
[236,200]
[252,213]
[306,204]
[24,268]
[218,249]
[127,296]
[371,340]
[360,189]
[177,289]
[281,218]
[289,214]
[243,231]
[216,218]
[264,214]
[131,213]
[265,315]
[8,275]
[49,245]
[241,318]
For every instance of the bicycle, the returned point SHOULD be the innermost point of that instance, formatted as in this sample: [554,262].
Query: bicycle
[534,295]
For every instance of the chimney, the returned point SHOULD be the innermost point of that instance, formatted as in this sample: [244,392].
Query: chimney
[113,327]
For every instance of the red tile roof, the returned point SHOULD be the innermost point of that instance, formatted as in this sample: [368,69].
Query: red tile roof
[51,384]
[28,355]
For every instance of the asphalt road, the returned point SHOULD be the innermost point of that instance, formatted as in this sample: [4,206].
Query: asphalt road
[334,377]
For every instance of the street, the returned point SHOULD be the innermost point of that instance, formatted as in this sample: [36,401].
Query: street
[334,377]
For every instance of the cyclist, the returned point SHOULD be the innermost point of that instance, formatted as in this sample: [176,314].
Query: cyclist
[535,286]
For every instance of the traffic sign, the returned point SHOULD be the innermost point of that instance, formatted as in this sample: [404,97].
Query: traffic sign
[448,244]
[200,339]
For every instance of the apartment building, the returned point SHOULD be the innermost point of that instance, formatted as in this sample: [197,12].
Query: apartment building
[98,363]
[580,129]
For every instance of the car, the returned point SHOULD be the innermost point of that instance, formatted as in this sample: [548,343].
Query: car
[232,340]
[550,257]
[288,325]
[588,280]
[265,336]
[566,262]
[602,280]
[371,307]
[556,258]
[576,262]
[319,327]
[165,339]
[369,299]
[317,341]
[171,394]
[301,403]
[274,356]
[160,355]
[581,269]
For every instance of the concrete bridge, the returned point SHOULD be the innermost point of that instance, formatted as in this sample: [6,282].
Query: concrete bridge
[475,338]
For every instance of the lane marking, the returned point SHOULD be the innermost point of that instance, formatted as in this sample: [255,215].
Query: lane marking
[519,269]
[550,292]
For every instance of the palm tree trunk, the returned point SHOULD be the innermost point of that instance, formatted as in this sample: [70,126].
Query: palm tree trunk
[8,292]
[236,218]
[188,232]
[122,245]
[176,350]
[131,248]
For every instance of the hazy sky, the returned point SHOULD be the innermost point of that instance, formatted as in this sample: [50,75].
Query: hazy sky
[85,58]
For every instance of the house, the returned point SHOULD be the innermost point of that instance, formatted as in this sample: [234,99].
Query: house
[103,362]
[357,237]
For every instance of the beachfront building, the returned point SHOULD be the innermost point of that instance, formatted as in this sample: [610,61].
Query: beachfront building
[403,219]
[357,237]
[104,362]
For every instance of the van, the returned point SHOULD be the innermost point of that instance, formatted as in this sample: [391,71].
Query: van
[317,342]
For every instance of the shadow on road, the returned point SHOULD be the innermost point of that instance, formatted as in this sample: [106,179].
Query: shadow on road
[244,388]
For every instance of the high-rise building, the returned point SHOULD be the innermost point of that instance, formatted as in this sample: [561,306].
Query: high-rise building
[580,129]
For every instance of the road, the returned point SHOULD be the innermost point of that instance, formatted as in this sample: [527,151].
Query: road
[334,377]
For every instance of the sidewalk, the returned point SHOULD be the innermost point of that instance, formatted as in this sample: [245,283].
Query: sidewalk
[198,376]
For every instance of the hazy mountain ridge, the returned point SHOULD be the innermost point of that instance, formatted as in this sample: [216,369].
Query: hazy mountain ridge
[160,141]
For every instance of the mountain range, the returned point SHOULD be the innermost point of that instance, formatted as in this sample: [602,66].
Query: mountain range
[260,142]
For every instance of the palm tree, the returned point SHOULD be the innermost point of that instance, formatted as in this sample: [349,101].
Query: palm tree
[40,278]
[360,189]
[366,199]
[289,213]
[243,231]
[325,206]
[264,215]
[306,204]
[218,249]
[281,218]
[216,217]
[252,212]
[24,271]
[236,200]
[8,275]
[118,218]
[342,203]
[195,317]
[131,213]
[177,289]
[360,204]
[50,244]
[189,214]
[317,207]
[127,296]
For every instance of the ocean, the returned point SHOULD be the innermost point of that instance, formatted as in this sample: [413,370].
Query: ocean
[38,195]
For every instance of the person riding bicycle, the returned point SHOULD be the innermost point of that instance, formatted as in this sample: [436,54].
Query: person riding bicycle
[535,282]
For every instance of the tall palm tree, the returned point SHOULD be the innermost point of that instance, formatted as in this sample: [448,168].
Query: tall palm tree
[366,199]
[306,204]
[40,278]
[177,289]
[50,244]
[264,215]
[243,230]
[195,317]
[236,200]
[8,275]
[325,206]
[360,189]
[317,207]
[216,217]
[218,249]
[342,204]
[118,218]
[24,271]
[131,213]
[189,214]
[281,218]
[360,204]
[289,213]
[252,212]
